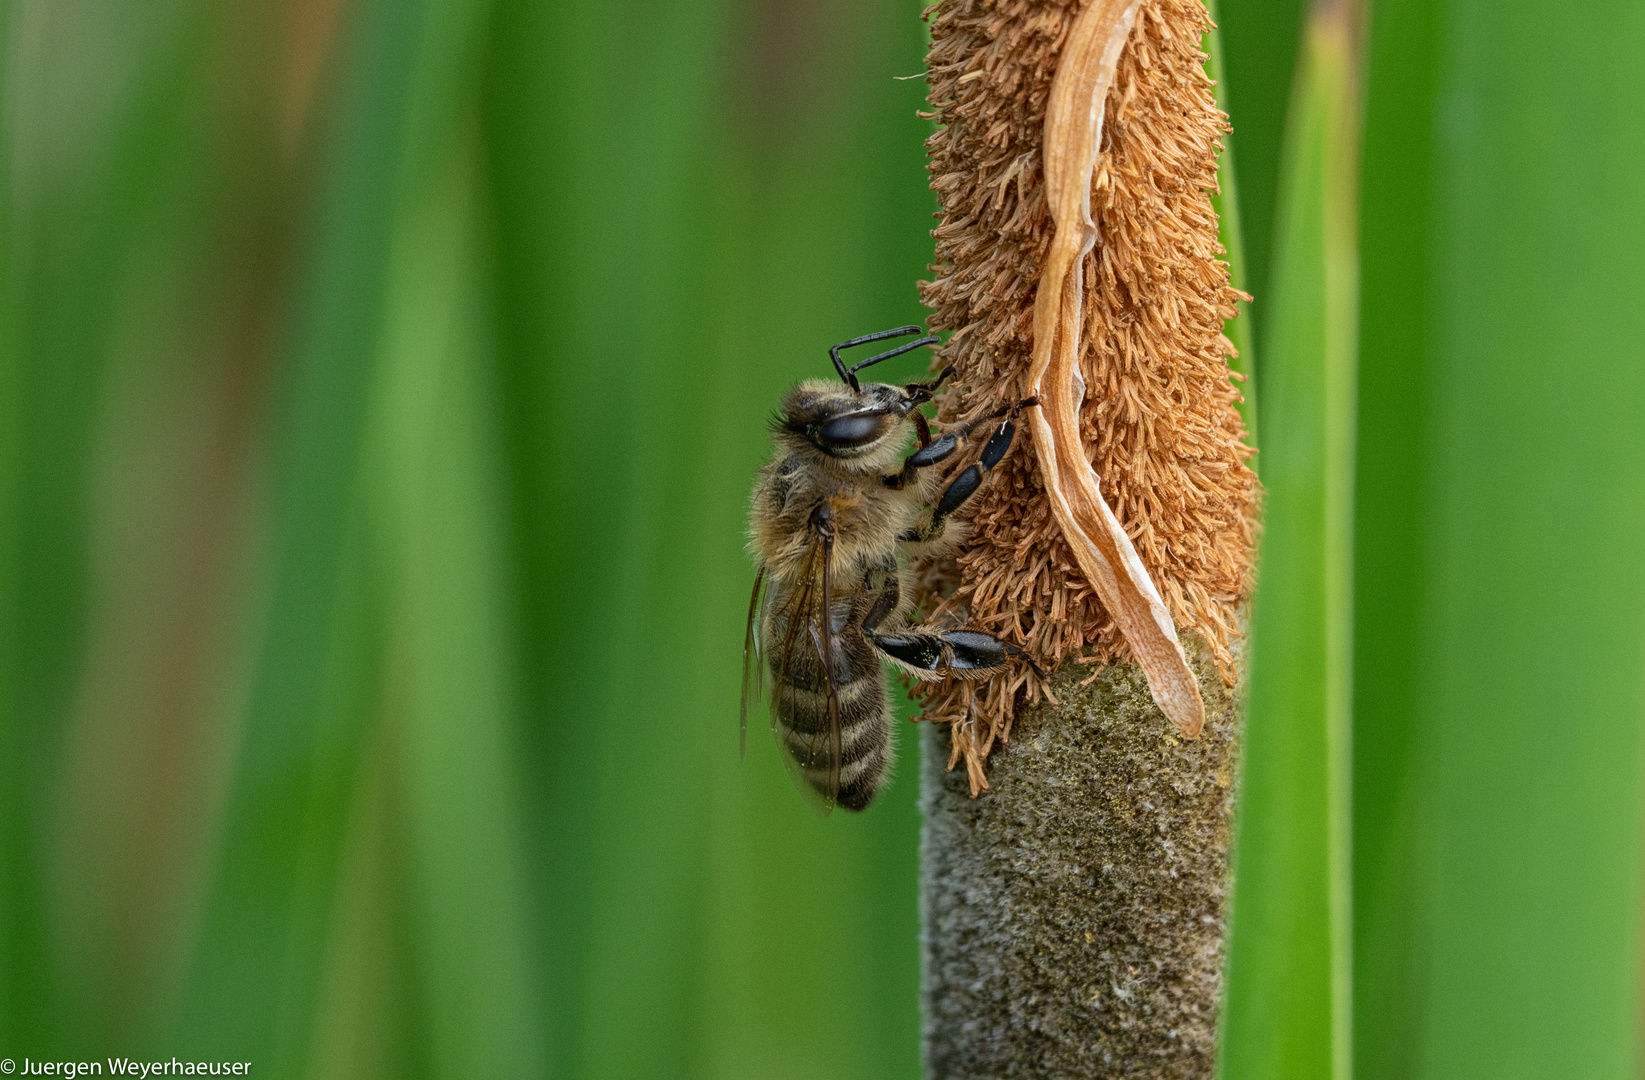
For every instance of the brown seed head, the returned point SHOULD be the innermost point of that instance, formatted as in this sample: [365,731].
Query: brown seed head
[1158,420]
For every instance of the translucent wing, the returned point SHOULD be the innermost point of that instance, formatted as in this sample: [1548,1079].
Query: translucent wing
[753,662]
[806,657]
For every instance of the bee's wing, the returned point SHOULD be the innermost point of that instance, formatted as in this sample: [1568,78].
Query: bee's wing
[831,749]
[753,662]
[812,756]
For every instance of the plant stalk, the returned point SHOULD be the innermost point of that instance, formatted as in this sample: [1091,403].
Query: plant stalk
[1074,918]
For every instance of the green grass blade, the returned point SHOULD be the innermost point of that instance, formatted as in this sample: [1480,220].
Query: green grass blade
[1391,492]
[1230,230]
[598,140]
[28,993]
[1288,969]
[1512,912]
[1259,40]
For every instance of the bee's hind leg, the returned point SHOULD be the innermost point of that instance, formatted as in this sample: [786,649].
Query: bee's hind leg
[933,654]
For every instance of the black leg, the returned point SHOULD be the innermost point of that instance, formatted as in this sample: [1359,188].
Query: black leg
[931,653]
[937,450]
[948,652]
[919,392]
[933,451]
[963,486]
[922,429]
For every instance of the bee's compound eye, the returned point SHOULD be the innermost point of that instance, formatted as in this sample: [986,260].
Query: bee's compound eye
[850,432]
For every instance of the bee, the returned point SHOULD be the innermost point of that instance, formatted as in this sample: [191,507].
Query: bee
[840,501]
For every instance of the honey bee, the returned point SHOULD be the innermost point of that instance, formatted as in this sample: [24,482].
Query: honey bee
[830,515]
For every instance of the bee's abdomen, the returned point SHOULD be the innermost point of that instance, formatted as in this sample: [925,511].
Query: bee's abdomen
[801,707]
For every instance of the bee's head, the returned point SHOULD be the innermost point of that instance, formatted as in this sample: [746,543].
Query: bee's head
[852,423]
[863,428]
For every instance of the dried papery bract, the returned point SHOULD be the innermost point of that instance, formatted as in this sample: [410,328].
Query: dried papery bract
[1077,258]
[1073,132]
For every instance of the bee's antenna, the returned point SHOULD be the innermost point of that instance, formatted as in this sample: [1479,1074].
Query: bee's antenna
[849,375]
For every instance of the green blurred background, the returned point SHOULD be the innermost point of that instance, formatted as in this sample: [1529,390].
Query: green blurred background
[381,382]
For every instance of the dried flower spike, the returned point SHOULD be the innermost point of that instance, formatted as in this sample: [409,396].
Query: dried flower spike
[1078,249]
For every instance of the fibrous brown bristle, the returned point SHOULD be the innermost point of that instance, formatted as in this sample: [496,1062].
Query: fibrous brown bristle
[1158,421]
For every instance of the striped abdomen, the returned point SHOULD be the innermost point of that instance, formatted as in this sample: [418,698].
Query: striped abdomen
[799,706]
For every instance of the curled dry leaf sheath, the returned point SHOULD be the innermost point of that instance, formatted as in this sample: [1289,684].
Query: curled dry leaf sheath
[1077,259]
[1073,131]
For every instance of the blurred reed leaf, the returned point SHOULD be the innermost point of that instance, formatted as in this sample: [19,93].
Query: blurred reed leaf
[322,662]
[447,699]
[1287,1011]
[134,247]
[1260,43]
[690,208]
[1230,229]
[1500,775]
[1392,496]
[1496,627]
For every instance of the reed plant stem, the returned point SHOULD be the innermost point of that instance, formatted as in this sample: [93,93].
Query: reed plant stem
[1074,919]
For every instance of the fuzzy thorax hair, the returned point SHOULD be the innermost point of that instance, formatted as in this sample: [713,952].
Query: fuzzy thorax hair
[1154,407]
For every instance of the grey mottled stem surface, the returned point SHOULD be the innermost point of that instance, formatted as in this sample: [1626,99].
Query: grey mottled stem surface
[1073,917]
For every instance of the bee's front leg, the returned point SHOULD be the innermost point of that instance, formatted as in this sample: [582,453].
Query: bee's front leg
[929,452]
